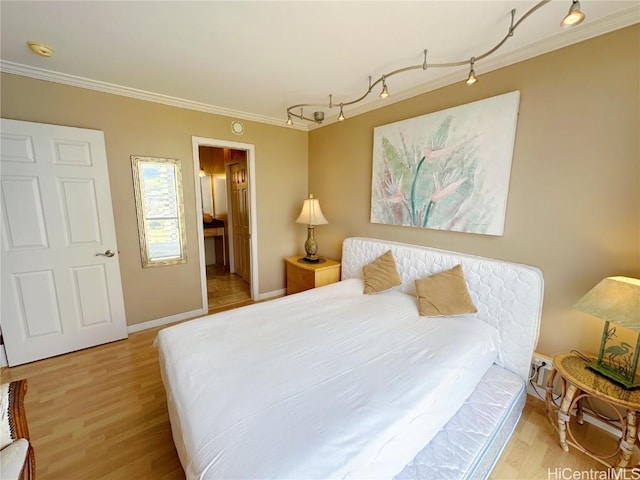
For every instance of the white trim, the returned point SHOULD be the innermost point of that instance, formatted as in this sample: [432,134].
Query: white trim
[158,322]
[272,294]
[97,85]
[618,20]
[253,217]
[201,257]
[4,362]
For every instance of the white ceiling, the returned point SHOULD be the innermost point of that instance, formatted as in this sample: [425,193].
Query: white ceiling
[252,59]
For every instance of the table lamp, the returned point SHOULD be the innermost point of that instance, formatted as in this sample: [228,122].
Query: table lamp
[616,300]
[311,214]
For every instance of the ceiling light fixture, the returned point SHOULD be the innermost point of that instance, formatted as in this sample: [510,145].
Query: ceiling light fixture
[384,93]
[472,74]
[40,49]
[574,17]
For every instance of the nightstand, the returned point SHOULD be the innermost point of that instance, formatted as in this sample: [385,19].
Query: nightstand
[580,383]
[304,276]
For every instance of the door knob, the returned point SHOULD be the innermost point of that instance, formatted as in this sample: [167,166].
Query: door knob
[108,253]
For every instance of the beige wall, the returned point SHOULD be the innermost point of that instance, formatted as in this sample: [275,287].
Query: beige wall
[574,198]
[135,127]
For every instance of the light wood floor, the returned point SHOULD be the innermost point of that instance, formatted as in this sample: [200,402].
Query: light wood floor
[224,288]
[101,414]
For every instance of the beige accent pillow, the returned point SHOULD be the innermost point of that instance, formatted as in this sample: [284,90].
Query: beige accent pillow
[444,293]
[381,274]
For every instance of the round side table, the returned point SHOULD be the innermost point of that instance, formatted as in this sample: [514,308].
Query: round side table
[578,383]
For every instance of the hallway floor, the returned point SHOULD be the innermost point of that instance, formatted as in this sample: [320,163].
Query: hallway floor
[224,288]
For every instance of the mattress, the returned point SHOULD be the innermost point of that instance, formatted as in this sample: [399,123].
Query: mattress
[325,384]
[471,442]
[507,295]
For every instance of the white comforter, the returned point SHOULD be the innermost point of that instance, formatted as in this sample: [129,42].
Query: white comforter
[329,383]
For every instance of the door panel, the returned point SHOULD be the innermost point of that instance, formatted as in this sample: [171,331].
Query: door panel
[35,295]
[21,200]
[80,211]
[17,148]
[72,153]
[90,284]
[58,293]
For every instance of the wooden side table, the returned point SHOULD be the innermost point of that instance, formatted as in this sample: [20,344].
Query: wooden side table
[579,383]
[304,276]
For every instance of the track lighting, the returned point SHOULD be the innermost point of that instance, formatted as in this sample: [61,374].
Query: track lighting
[574,17]
[471,79]
[385,92]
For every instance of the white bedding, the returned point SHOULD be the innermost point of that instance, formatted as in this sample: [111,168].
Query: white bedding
[328,383]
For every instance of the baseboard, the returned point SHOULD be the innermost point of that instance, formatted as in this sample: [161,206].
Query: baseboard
[272,294]
[158,322]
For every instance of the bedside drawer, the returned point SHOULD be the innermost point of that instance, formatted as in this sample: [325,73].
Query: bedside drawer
[293,287]
[305,278]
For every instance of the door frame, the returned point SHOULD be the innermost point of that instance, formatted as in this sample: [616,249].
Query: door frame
[253,222]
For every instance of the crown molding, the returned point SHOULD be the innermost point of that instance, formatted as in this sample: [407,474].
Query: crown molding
[104,87]
[608,24]
[622,19]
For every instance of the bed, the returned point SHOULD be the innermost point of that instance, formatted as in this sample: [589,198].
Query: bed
[331,383]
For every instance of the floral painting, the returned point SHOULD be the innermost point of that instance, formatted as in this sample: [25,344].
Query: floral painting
[447,170]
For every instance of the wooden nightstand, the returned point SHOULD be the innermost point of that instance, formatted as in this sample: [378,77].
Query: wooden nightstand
[304,276]
[578,384]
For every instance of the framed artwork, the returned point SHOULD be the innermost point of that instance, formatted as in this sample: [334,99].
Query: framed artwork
[447,170]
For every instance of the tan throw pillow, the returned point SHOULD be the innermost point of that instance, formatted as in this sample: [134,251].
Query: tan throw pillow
[381,274]
[444,293]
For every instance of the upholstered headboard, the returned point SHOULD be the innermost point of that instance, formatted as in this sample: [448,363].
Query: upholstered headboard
[507,295]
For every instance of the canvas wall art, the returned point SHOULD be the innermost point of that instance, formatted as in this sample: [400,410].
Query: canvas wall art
[447,170]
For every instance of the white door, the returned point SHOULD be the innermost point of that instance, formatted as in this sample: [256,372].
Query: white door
[60,275]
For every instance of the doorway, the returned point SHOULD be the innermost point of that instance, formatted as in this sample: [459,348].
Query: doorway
[225,194]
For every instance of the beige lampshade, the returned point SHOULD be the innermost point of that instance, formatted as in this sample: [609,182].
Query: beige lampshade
[614,299]
[311,213]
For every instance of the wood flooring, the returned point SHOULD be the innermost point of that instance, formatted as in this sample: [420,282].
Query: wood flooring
[224,288]
[101,413]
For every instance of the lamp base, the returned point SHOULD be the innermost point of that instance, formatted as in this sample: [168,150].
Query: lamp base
[614,375]
[309,259]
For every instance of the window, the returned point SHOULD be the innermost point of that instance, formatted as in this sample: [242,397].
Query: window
[158,191]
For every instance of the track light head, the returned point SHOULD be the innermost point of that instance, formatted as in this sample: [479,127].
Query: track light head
[289,120]
[341,116]
[471,79]
[385,92]
[574,17]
